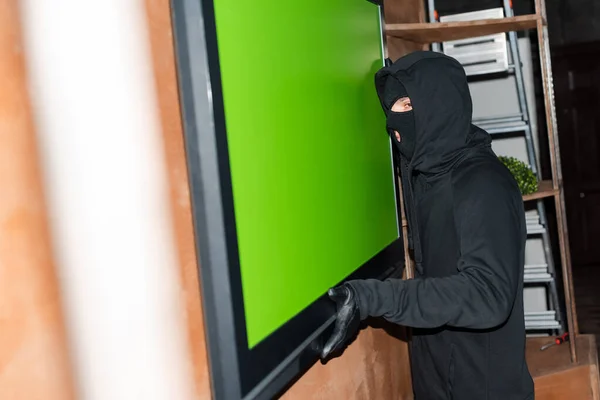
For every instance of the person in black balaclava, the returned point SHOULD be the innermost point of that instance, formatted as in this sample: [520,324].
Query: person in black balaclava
[400,116]
[467,231]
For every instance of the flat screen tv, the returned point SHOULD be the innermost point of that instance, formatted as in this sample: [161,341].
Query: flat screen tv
[291,175]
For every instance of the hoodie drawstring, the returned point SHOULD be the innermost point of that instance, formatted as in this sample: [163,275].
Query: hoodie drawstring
[414,242]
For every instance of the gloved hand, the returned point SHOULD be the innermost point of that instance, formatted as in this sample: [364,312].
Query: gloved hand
[347,318]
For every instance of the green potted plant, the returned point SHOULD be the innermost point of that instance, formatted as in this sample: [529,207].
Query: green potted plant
[522,173]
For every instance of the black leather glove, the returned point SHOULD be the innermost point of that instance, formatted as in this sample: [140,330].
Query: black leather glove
[347,320]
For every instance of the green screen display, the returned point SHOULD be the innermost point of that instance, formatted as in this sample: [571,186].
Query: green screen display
[310,160]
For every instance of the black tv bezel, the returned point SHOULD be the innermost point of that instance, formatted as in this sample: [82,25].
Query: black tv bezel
[236,371]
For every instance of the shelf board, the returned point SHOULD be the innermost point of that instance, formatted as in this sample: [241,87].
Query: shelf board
[557,358]
[545,189]
[447,31]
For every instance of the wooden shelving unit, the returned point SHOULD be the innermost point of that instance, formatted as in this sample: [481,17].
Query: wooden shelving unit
[556,377]
[445,31]
[545,189]
[407,31]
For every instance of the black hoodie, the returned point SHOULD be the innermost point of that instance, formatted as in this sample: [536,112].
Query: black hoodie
[468,232]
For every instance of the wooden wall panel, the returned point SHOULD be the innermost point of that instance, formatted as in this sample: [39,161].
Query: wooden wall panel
[161,39]
[34,362]
[375,366]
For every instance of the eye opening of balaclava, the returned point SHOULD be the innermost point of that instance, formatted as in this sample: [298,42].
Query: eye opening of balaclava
[402,122]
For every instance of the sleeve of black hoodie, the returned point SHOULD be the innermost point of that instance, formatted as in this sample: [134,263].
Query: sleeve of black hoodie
[489,220]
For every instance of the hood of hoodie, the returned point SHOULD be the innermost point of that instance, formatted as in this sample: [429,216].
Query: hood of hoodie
[439,93]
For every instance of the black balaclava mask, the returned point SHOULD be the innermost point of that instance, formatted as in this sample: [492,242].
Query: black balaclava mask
[402,122]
